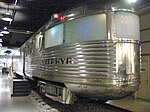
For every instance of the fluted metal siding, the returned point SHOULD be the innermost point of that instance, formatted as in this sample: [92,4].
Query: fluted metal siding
[93,61]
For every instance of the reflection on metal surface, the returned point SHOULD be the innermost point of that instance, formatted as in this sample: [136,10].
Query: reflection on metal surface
[107,69]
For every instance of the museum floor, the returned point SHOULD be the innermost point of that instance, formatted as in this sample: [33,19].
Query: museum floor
[23,104]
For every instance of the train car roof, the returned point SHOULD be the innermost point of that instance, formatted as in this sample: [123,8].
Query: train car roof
[84,9]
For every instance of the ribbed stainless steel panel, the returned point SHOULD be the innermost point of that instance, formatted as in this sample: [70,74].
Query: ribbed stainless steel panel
[90,67]
[75,61]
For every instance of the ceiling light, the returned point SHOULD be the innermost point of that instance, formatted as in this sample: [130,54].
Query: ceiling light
[1,40]
[8,52]
[1,34]
[7,17]
[5,31]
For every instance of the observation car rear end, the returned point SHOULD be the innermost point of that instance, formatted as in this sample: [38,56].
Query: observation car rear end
[93,52]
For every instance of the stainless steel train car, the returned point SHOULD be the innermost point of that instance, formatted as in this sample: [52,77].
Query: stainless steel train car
[92,50]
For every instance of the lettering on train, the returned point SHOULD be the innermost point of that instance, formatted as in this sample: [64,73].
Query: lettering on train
[55,61]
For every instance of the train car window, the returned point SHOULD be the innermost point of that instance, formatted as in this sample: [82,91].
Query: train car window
[21,58]
[25,51]
[33,45]
[125,25]
[86,28]
[16,61]
[38,43]
[30,48]
[53,36]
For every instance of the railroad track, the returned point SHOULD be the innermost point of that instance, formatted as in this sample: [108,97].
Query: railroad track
[45,104]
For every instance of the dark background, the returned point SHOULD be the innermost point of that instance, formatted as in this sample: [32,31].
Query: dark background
[30,15]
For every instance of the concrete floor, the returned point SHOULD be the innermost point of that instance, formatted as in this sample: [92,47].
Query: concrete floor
[132,104]
[13,104]
[23,104]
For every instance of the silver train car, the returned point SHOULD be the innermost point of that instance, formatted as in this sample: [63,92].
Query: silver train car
[92,50]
